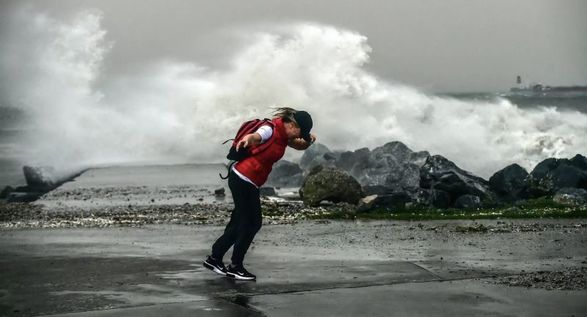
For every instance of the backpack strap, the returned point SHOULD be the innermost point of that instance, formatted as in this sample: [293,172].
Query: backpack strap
[228,170]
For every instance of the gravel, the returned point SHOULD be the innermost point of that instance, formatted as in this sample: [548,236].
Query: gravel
[30,215]
[570,279]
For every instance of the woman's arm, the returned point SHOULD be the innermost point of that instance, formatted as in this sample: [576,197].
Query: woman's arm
[249,139]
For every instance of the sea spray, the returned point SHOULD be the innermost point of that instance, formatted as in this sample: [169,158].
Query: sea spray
[178,111]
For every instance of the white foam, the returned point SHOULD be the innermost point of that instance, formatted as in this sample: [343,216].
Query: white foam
[180,111]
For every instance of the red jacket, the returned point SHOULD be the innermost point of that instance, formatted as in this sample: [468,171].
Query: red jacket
[257,167]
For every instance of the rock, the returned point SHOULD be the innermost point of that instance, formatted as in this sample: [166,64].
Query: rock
[543,168]
[436,198]
[23,197]
[441,174]
[330,184]
[419,158]
[472,228]
[6,191]
[22,189]
[330,156]
[376,190]
[314,170]
[571,196]
[348,160]
[509,183]
[267,191]
[220,192]
[567,175]
[468,202]
[43,179]
[366,203]
[579,161]
[392,165]
[40,178]
[367,200]
[390,202]
[286,174]
[553,174]
[317,154]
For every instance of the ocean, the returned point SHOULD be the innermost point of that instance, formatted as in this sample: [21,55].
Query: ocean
[570,103]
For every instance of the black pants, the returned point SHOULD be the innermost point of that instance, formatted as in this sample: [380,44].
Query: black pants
[245,220]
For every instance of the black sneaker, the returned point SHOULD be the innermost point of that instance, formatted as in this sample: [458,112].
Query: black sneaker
[215,265]
[238,272]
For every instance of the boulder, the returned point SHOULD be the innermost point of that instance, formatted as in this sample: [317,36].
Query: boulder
[347,160]
[468,202]
[286,174]
[23,197]
[579,161]
[6,191]
[376,190]
[317,154]
[553,174]
[567,175]
[39,178]
[389,202]
[220,192]
[392,165]
[267,191]
[366,203]
[434,197]
[419,158]
[509,183]
[571,196]
[441,174]
[330,184]
[359,161]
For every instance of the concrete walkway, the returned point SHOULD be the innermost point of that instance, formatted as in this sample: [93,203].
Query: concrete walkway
[156,271]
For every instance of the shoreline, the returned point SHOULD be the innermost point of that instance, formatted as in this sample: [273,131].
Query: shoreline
[60,215]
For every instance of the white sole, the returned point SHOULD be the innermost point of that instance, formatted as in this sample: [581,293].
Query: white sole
[213,269]
[238,277]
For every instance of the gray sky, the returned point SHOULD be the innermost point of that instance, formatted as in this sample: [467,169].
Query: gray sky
[439,46]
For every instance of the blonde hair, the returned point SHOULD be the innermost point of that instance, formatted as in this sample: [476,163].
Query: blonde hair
[286,114]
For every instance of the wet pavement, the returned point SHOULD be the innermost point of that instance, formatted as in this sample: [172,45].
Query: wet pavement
[313,268]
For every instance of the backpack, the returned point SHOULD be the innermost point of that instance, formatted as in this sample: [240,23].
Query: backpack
[247,127]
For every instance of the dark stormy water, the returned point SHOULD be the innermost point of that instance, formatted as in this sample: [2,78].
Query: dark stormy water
[562,103]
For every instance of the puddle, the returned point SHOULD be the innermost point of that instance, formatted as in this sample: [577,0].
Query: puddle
[143,295]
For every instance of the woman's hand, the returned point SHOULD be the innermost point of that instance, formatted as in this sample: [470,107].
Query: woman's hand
[301,144]
[247,140]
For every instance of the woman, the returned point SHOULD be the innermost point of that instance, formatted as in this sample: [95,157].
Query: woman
[290,128]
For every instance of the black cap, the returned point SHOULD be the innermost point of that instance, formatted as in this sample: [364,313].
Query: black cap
[305,123]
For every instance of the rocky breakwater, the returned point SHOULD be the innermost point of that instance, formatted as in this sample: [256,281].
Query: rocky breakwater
[557,177]
[447,185]
[393,177]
